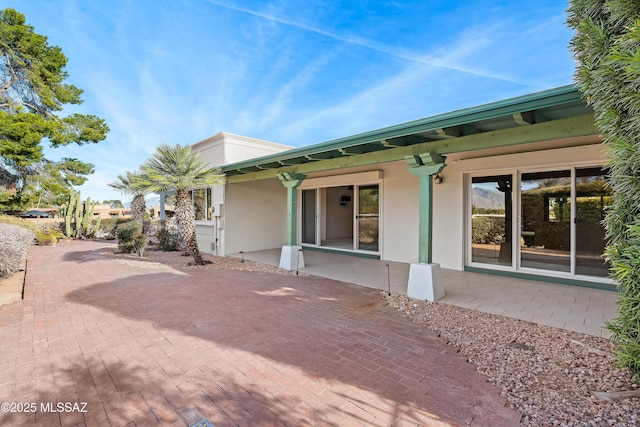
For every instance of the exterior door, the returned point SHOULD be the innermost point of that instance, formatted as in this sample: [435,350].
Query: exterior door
[553,217]
[491,219]
[593,196]
[545,224]
[309,216]
[368,218]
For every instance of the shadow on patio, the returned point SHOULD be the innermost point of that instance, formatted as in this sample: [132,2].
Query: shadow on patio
[265,343]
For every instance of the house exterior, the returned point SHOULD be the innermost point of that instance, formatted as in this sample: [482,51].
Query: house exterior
[220,209]
[515,187]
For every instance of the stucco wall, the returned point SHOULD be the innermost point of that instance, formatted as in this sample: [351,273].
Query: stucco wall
[224,148]
[255,216]
[400,196]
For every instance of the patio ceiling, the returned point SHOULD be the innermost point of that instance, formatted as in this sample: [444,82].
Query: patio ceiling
[447,130]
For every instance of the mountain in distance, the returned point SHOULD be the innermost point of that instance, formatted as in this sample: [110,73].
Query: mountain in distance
[487,199]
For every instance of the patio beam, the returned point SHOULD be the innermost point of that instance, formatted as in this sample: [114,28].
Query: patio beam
[545,131]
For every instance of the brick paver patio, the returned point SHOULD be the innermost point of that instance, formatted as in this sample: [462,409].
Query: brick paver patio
[144,346]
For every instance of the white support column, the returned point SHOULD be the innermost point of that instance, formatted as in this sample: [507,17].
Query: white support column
[425,282]
[291,258]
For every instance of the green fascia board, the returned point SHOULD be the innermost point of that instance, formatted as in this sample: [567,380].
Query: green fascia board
[543,99]
[545,131]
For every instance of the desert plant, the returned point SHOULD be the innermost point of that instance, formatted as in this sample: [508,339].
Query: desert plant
[168,238]
[131,239]
[22,223]
[14,244]
[47,237]
[177,168]
[125,234]
[128,185]
[139,244]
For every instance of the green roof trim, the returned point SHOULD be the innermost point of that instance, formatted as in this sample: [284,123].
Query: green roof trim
[549,105]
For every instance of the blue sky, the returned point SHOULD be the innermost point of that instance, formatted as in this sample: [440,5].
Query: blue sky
[297,73]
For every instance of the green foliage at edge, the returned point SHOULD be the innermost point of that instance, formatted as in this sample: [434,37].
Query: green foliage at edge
[607,48]
[32,90]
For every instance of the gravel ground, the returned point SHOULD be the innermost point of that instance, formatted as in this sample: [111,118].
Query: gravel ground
[550,375]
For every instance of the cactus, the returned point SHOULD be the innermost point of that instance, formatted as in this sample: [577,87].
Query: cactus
[96,227]
[68,214]
[77,218]
[87,216]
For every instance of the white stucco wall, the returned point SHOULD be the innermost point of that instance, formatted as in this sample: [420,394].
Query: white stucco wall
[400,194]
[224,148]
[449,198]
[255,216]
[212,236]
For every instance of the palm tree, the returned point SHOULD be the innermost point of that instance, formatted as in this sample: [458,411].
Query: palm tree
[129,185]
[177,169]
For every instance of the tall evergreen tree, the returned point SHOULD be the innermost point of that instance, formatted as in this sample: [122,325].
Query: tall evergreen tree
[32,92]
[177,169]
[607,49]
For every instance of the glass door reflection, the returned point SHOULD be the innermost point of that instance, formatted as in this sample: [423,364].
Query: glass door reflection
[545,229]
[368,218]
[593,196]
[491,219]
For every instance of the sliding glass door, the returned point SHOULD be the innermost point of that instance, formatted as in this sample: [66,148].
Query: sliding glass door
[309,215]
[368,218]
[555,216]
[491,219]
[593,196]
[343,217]
[545,228]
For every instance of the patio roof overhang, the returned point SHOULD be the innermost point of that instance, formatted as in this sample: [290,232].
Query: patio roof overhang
[553,114]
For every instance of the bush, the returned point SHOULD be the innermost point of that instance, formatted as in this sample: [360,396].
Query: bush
[168,239]
[14,244]
[139,243]
[131,239]
[23,223]
[486,230]
[48,236]
[109,226]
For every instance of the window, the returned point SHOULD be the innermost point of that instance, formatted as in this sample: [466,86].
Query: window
[540,220]
[202,204]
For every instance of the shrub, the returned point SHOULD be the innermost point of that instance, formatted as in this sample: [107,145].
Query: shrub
[131,239]
[14,244]
[23,223]
[108,227]
[139,244]
[168,239]
[125,234]
[486,229]
[49,236]
[605,47]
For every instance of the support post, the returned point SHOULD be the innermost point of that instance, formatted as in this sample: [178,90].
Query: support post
[291,256]
[425,281]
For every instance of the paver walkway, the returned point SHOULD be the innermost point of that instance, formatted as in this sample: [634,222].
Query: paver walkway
[144,346]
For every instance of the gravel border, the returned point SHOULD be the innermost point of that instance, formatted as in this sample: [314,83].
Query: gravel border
[548,374]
